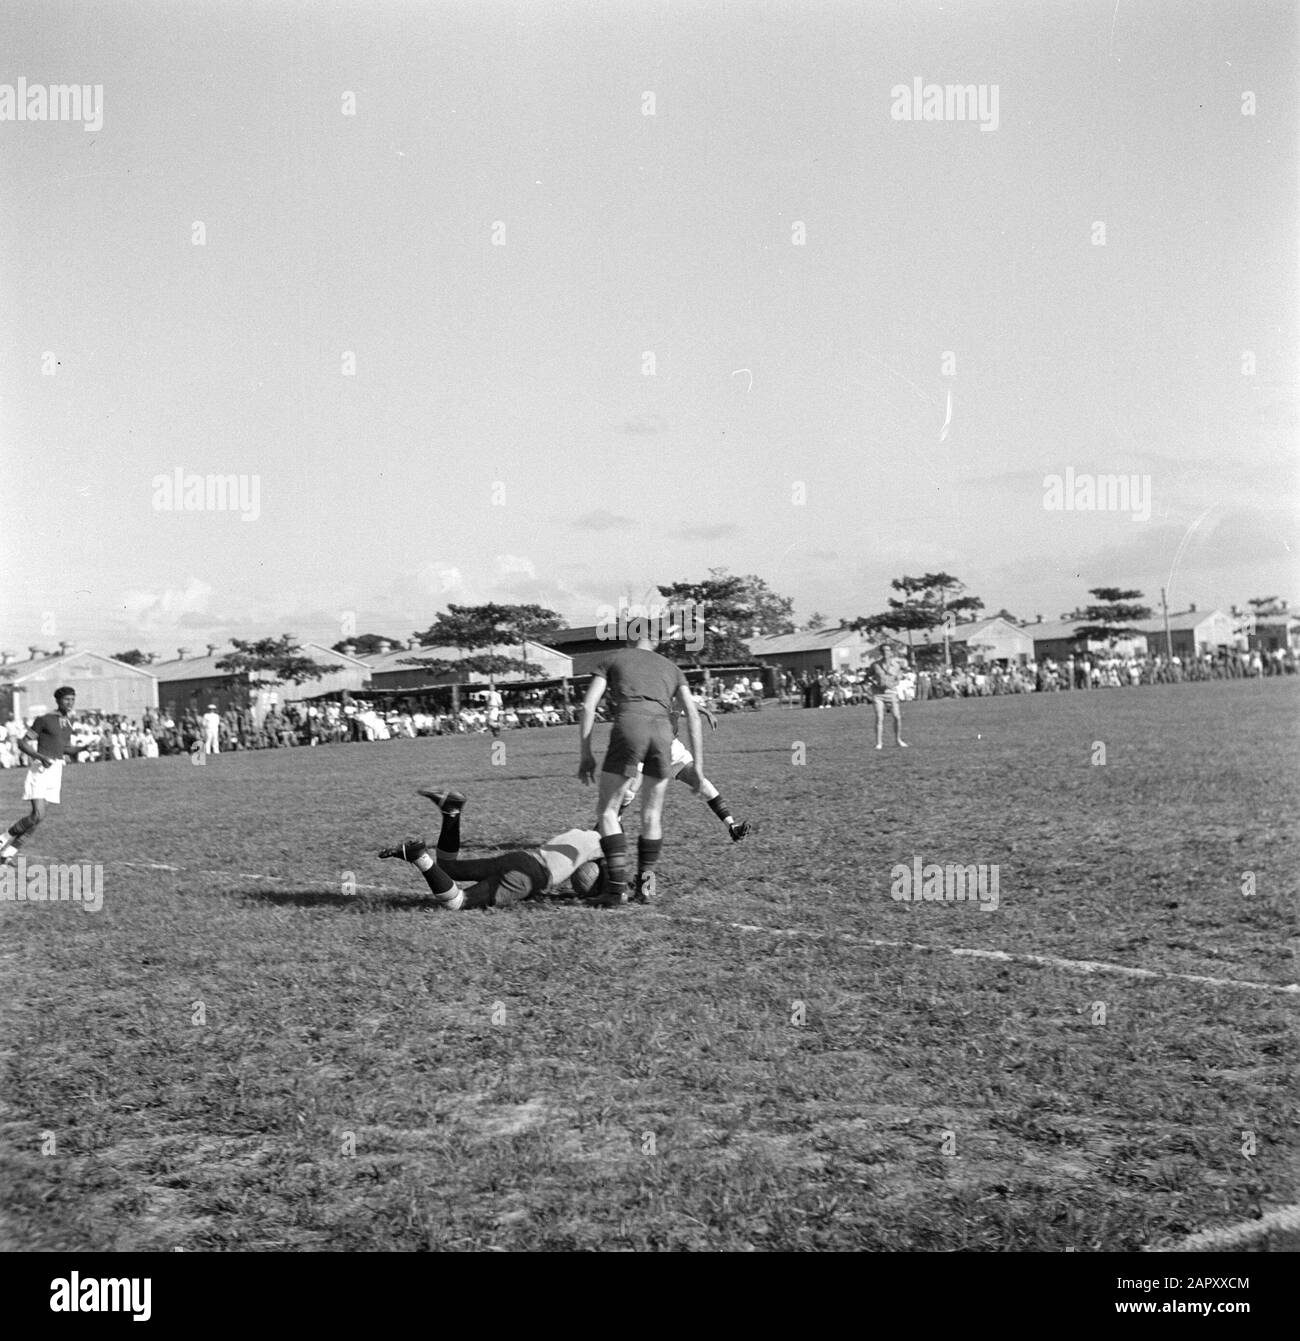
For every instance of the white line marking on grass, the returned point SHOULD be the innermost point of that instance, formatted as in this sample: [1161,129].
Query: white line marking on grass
[1046,961]
[1233,1236]
[1001,956]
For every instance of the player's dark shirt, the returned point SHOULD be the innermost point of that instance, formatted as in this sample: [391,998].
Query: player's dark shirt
[53,735]
[641,681]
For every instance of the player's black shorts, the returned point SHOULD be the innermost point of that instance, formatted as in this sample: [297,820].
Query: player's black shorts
[640,740]
[502,880]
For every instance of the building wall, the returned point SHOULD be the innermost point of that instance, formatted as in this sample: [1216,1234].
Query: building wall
[174,696]
[101,686]
[1274,632]
[999,644]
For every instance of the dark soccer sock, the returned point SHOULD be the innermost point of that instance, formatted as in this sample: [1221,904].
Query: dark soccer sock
[721,810]
[449,838]
[647,853]
[435,877]
[17,831]
[614,846]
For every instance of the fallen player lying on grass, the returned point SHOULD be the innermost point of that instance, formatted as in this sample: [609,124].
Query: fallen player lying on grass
[573,856]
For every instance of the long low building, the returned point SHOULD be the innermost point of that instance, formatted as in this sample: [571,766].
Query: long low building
[815,651]
[392,672]
[194,682]
[103,684]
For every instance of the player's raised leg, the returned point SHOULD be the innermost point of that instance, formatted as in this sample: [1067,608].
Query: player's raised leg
[702,787]
[441,885]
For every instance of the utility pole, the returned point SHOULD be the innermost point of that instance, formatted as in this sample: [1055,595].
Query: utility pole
[1169,644]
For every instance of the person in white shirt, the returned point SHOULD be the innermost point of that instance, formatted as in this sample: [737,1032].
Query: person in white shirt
[211,730]
[494,705]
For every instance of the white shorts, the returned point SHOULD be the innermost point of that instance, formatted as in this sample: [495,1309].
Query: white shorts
[679,759]
[44,784]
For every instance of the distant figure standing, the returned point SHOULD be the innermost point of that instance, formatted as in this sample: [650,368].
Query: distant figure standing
[211,730]
[494,705]
[885,672]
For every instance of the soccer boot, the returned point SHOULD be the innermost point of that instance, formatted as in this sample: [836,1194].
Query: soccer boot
[449,802]
[408,850]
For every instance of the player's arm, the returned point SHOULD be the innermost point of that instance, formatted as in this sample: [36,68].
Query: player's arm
[586,759]
[27,745]
[696,732]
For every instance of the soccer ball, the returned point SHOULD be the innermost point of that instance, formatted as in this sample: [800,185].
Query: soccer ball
[586,879]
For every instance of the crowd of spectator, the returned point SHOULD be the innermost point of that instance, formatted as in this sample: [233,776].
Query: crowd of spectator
[102,737]
[833,689]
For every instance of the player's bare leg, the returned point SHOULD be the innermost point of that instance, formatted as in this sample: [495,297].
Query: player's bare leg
[879,706]
[898,724]
[703,788]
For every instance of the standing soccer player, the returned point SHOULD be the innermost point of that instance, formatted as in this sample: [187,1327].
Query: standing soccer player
[643,687]
[47,740]
[885,673]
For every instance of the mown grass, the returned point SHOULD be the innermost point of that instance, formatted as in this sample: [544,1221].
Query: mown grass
[366,1073]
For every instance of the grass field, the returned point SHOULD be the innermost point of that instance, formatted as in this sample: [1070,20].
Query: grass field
[235,1054]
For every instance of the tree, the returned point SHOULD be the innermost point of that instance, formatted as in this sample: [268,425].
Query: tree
[769,614]
[816,622]
[730,610]
[1112,617]
[1267,605]
[364,646]
[135,657]
[471,628]
[927,603]
[274,660]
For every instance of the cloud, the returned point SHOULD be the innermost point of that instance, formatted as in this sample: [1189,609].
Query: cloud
[646,424]
[718,531]
[514,566]
[601,519]
[153,612]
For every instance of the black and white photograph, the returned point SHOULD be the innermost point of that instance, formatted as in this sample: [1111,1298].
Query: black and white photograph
[649,626]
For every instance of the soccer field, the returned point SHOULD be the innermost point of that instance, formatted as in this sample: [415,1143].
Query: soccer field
[235,1053]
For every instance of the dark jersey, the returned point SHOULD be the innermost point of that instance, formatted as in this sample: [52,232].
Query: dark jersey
[641,681]
[53,735]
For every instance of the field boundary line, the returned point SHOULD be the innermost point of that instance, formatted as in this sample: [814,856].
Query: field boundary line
[1232,1236]
[1003,956]
[961,952]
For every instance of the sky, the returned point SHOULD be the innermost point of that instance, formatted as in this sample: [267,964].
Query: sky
[552,303]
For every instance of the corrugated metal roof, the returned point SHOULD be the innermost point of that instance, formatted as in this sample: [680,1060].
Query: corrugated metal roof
[963,633]
[204,668]
[22,670]
[392,661]
[819,640]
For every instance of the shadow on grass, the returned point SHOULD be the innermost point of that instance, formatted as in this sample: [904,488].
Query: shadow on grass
[366,901]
